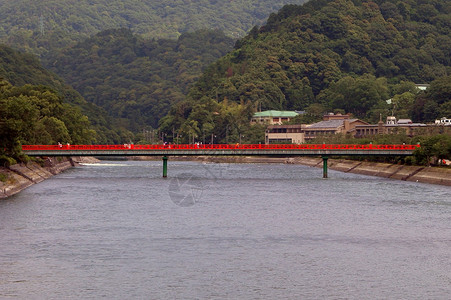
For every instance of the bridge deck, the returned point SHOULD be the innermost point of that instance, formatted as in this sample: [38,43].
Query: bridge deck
[218,150]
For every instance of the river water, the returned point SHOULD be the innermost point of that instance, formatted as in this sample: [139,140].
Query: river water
[117,230]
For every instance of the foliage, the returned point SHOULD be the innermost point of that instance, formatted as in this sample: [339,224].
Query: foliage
[341,54]
[137,80]
[6,161]
[313,113]
[37,115]
[433,147]
[356,95]
[208,120]
[435,103]
[3,177]
[42,26]
[20,69]
[351,55]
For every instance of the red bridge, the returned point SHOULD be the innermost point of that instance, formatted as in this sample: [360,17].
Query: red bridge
[323,150]
[131,148]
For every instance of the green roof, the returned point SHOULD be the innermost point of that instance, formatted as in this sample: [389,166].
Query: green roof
[275,113]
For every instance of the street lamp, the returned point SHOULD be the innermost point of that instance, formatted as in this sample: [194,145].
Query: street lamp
[240,137]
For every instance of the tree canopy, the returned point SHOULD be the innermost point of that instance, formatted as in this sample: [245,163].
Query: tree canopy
[134,79]
[342,54]
[42,26]
[355,56]
[33,114]
[20,69]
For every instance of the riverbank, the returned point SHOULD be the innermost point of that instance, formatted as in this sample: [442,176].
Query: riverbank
[431,175]
[20,176]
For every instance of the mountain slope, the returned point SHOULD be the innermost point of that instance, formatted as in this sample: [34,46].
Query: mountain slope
[339,54]
[20,69]
[306,48]
[38,26]
[134,79]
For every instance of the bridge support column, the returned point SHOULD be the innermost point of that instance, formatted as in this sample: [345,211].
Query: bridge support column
[165,166]
[325,158]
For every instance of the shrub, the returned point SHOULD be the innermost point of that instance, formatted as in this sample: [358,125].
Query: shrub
[7,161]
[3,177]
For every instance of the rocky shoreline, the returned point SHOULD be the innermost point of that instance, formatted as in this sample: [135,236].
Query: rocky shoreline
[20,176]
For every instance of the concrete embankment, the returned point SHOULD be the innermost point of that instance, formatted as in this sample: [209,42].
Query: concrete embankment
[20,176]
[433,175]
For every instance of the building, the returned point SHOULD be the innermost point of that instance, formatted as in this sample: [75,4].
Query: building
[332,116]
[332,124]
[391,126]
[344,124]
[422,86]
[285,134]
[272,117]
[443,121]
[298,134]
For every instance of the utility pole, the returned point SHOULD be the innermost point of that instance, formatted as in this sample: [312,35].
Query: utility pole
[173,134]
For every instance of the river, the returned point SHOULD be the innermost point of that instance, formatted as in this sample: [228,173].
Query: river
[117,230]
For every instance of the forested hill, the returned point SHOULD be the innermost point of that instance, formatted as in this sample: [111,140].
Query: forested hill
[340,54]
[19,69]
[313,45]
[37,26]
[135,79]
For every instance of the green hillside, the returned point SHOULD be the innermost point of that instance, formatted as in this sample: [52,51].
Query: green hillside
[329,55]
[40,26]
[19,69]
[134,79]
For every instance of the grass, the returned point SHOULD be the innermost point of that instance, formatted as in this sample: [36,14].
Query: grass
[3,177]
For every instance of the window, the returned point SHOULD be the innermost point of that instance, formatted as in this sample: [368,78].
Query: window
[280,141]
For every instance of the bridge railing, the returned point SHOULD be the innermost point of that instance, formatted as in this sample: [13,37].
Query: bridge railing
[220,147]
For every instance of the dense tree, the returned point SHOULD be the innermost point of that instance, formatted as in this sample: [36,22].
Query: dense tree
[356,95]
[137,80]
[338,54]
[435,102]
[207,120]
[402,105]
[433,148]
[342,54]
[43,26]
[20,69]
[37,115]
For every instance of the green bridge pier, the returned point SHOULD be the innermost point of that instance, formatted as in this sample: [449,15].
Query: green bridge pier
[165,166]
[325,158]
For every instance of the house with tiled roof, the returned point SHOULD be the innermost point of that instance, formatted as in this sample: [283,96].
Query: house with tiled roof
[297,134]
[332,124]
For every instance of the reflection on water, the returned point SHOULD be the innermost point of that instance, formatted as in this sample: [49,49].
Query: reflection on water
[251,231]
